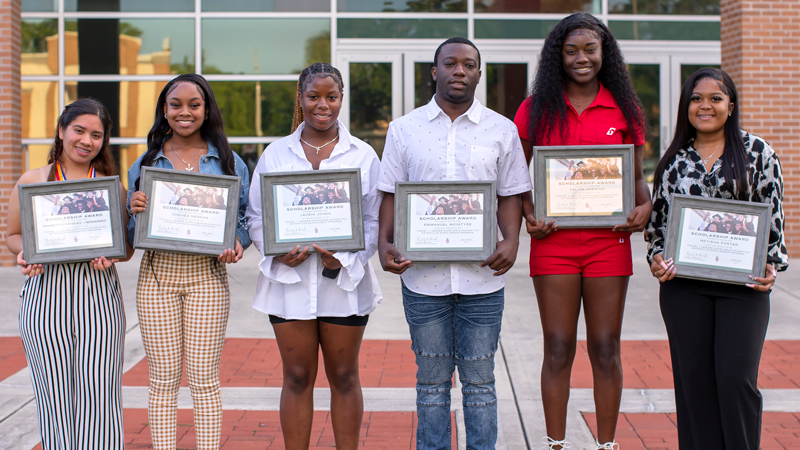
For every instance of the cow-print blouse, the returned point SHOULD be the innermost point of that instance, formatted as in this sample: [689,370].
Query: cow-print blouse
[685,174]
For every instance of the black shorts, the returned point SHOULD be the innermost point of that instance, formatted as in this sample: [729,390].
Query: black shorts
[349,321]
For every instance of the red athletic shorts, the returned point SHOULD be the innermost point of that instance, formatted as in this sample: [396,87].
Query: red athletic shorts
[592,252]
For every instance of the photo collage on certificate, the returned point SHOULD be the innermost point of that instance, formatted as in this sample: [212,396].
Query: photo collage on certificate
[584,187]
[313,212]
[187,212]
[445,222]
[717,239]
[72,221]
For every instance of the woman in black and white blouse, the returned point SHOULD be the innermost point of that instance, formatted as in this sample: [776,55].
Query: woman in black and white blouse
[716,330]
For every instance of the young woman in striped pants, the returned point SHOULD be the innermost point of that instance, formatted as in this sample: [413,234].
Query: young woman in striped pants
[72,320]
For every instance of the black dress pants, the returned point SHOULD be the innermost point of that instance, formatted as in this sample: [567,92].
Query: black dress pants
[716,333]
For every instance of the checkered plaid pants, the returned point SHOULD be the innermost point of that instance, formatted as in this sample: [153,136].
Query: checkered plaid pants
[183,303]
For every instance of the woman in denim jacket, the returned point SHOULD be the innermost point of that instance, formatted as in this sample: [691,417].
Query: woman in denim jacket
[183,300]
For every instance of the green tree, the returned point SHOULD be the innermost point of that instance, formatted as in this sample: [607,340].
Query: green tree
[318,49]
[35,34]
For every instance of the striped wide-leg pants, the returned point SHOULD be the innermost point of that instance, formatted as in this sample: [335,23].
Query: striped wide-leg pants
[183,303]
[72,324]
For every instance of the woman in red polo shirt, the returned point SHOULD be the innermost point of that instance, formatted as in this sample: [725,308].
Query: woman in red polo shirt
[582,95]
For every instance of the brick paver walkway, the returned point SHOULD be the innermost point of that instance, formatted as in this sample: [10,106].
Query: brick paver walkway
[658,431]
[647,365]
[12,356]
[390,363]
[257,363]
[260,430]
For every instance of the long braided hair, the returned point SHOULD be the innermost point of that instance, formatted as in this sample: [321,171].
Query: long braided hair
[548,111]
[212,129]
[306,76]
[104,161]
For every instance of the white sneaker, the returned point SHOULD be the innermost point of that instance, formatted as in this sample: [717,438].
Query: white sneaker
[547,440]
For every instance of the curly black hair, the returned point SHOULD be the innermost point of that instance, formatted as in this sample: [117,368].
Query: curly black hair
[548,85]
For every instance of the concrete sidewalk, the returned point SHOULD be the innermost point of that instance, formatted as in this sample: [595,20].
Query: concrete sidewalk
[389,389]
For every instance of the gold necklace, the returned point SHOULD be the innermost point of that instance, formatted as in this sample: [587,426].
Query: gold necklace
[189,166]
[577,105]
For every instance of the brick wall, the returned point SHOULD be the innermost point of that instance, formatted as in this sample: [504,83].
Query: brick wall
[11,163]
[759,50]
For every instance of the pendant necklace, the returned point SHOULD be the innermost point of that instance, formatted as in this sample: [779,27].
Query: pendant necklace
[323,145]
[189,166]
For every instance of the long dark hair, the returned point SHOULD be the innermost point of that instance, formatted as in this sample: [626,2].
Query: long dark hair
[104,161]
[548,111]
[308,74]
[212,129]
[734,167]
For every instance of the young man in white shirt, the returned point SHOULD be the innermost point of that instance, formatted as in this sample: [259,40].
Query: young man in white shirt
[454,311]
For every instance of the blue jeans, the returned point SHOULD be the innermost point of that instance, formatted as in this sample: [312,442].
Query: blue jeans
[447,332]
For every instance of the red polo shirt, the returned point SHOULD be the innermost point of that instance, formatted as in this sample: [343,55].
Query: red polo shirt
[592,252]
[601,123]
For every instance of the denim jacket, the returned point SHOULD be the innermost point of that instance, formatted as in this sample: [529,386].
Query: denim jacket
[209,163]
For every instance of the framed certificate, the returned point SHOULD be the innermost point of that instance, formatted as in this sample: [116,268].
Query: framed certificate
[188,212]
[445,221]
[717,240]
[71,221]
[584,186]
[320,207]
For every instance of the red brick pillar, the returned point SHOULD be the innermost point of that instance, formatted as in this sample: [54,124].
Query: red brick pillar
[11,163]
[759,48]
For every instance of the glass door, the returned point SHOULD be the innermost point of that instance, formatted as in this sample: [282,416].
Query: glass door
[372,94]
[651,81]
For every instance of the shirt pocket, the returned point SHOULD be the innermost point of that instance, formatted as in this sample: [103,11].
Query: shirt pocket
[483,163]
[610,133]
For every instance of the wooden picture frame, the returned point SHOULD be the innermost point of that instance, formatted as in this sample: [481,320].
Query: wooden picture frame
[332,229]
[574,202]
[56,231]
[709,253]
[434,241]
[192,227]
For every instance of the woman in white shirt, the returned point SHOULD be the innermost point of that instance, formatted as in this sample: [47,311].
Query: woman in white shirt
[307,308]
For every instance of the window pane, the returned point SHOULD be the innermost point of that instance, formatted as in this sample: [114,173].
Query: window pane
[401,28]
[249,154]
[280,46]
[267,5]
[668,31]
[646,82]
[538,6]
[513,29]
[506,87]
[688,69]
[39,47]
[402,6]
[36,155]
[129,5]
[371,102]
[424,86]
[237,104]
[129,46]
[39,109]
[126,155]
[39,5]
[709,7]
[131,104]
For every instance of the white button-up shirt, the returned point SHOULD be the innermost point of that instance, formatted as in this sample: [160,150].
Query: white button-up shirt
[302,292]
[425,145]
